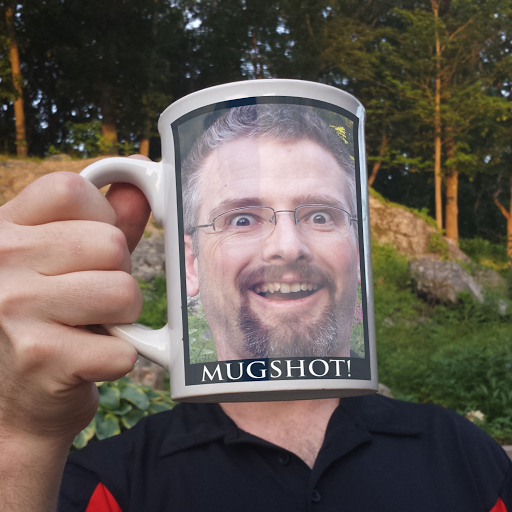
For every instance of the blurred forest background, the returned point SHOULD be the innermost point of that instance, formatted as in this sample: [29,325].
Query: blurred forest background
[90,78]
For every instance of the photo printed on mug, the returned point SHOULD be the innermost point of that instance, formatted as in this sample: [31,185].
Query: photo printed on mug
[270,242]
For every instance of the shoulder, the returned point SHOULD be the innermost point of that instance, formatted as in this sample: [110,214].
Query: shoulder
[115,462]
[440,444]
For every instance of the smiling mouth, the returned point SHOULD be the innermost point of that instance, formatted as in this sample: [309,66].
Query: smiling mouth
[286,291]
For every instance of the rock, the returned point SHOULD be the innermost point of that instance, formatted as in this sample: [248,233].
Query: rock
[443,280]
[502,307]
[148,373]
[408,233]
[148,258]
[508,450]
[405,231]
[384,390]
[490,279]
[454,253]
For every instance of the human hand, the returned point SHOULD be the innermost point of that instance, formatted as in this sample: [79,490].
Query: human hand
[64,264]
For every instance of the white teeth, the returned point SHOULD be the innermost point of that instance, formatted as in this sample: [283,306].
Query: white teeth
[285,288]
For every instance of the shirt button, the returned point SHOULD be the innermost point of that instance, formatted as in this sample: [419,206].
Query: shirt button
[283,458]
[315,496]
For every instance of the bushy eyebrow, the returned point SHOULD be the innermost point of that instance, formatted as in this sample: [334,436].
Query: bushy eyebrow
[229,204]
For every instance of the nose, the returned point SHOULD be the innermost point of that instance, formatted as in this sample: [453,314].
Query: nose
[286,242]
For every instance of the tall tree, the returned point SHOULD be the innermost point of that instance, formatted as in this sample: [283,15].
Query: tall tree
[17,80]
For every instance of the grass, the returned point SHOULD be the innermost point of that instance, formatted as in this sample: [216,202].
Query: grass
[458,356]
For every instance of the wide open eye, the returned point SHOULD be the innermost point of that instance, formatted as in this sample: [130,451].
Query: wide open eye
[321,217]
[242,221]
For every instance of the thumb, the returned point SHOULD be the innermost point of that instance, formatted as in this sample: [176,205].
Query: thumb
[132,209]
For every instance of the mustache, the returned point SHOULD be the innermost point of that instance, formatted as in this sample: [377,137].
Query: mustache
[277,272]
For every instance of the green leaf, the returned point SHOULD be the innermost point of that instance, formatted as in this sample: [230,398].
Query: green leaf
[109,397]
[159,407]
[80,441]
[135,396]
[86,435]
[123,409]
[132,418]
[154,395]
[108,426]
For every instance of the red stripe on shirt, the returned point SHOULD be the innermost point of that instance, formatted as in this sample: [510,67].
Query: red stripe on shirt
[102,501]
[499,507]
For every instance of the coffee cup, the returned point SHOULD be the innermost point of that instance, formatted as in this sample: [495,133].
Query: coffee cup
[262,192]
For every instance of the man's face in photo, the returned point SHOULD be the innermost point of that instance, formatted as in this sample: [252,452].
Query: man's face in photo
[290,292]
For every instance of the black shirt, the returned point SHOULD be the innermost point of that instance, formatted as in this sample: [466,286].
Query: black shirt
[378,454]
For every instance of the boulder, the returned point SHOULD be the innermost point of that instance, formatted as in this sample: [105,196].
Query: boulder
[407,232]
[490,279]
[148,258]
[443,280]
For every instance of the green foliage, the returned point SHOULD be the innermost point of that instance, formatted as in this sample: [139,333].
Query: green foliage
[357,333]
[437,245]
[459,356]
[154,309]
[201,345]
[121,405]
[486,253]
[84,140]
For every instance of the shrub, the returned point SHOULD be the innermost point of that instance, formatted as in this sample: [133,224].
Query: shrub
[121,405]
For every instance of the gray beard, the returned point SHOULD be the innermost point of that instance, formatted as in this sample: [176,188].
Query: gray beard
[290,337]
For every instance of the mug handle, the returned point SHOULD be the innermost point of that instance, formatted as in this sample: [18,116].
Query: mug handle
[148,176]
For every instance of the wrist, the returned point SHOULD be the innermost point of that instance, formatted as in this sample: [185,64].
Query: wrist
[31,470]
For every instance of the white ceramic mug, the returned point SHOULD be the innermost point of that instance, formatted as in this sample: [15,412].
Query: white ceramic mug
[262,192]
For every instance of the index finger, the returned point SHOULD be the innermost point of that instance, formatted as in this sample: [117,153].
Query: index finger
[58,196]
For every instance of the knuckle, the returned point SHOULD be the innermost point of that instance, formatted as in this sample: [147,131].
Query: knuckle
[13,302]
[127,291]
[118,246]
[67,188]
[33,350]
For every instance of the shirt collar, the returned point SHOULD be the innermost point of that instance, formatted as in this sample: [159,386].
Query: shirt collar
[196,424]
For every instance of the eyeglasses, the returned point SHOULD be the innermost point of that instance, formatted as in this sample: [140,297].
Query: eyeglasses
[256,221]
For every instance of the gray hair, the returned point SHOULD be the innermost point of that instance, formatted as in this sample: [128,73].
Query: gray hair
[267,121]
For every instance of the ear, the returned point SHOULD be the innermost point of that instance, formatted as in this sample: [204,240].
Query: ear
[191,268]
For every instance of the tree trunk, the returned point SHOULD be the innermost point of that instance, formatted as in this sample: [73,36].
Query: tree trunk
[452,186]
[437,124]
[19,113]
[507,215]
[108,125]
[377,164]
[144,147]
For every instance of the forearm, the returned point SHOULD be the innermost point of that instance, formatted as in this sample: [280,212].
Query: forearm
[30,472]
